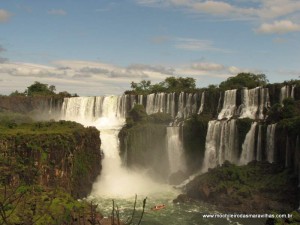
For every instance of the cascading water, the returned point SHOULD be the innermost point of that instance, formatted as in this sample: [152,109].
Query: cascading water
[150,103]
[171,104]
[156,103]
[140,99]
[293,91]
[220,144]
[271,142]
[108,115]
[175,150]
[229,105]
[248,146]
[180,113]
[250,103]
[79,109]
[264,102]
[287,92]
[254,101]
[202,103]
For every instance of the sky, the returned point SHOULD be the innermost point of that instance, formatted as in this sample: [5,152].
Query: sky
[98,47]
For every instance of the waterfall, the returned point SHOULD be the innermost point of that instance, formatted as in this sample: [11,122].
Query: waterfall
[156,102]
[258,148]
[150,104]
[171,104]
[264,102]
[188,106]
[283,93]
[229,105]
[79,109]
[50,106]
[159,102]
[175,150]
[293,91]
[108,115]
[271,142]
[180,113]
[286,92]
[219,103]
[220,144]
[250,103]
[202,103]
[254,101]
[140,99]
[248,146]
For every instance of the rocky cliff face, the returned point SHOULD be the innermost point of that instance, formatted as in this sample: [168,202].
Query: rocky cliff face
[54,154]
[143,146]
[259,187]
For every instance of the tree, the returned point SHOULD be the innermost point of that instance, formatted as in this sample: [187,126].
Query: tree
[174,84]
[241,80]
[17,93]
[40,89]
[170,84]
[143,87]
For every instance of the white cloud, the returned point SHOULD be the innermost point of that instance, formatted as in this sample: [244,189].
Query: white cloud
[82,77]
[213,7]
[4,15]
[278,8]
[265,12]
[207,66]
[96,78]
[59,12]
[258,8]
[279,27]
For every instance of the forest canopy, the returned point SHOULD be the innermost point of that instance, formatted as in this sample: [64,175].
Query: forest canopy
[249,80]
[188,84]
[170,84]
[40,89]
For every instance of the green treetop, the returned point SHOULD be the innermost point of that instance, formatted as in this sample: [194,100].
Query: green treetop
[249,80]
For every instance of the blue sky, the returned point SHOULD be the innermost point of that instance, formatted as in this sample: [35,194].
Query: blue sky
[97,47]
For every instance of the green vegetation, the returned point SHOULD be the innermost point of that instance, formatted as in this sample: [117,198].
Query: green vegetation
[138,115]
[9,127]
[188,84]
[170,84]
[256,187]
[40,89]
[289,109]
[241,80]
[11,119]
[38,157]
[39,205]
